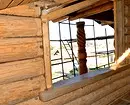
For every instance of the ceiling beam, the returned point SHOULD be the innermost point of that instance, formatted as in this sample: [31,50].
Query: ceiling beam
[93,11]
[67,10]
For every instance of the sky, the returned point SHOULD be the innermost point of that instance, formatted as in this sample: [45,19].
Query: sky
[99,29]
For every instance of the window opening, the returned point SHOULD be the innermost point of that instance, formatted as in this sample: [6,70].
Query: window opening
[99,47]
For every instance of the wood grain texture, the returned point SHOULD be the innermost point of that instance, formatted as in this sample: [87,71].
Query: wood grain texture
[19,70]
[19,91]
[34,101]
[4,3]
[88,89]
[19,48]
[70,9]
[46,51]
[23,10]
[12,26]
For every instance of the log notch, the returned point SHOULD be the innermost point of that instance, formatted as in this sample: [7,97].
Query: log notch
[81,40]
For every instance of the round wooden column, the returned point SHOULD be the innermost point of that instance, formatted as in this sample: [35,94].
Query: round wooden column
[81,40]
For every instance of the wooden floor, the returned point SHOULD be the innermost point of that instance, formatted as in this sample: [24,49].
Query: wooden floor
[122,101]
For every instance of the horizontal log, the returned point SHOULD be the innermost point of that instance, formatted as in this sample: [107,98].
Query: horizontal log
[13,26]
[19,70]
[113,96]
[71,92]
[70,9]
[10,3]
[13,93]
[34,101]
[23,10]
[88,99]
[13,49]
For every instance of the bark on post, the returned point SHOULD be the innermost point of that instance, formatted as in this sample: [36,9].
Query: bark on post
[81,40]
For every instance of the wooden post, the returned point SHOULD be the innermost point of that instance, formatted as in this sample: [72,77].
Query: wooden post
[81,40]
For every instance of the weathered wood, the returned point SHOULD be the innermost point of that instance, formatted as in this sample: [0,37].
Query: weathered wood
[119,28]
[127,2]
[9,3]
[4,3]
[127,30]
[93,11]
[14,3]
[34,101]
[111,97]
[88,99]
[67,10]
[127,21]
[46,51]
[77,92]
[19,70]
[19,48]
[11,26]
[23,10]
[19,91]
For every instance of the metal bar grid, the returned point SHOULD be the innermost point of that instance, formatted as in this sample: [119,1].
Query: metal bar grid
[106,37]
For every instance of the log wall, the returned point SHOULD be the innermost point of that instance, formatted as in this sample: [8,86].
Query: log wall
[22,69]
[100,89]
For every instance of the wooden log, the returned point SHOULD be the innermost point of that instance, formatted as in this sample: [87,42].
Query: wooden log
[23,10]
[34,101]
[67,10]
[19,70]
[127,31]
[12,26]
[15,3]
[19,91]
[10,3]
[93,11]
[14,49]
[111,97]
[88,99]
[77,92]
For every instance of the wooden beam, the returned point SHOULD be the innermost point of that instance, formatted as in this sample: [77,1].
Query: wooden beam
[64,1]
[67,10]
[96,10]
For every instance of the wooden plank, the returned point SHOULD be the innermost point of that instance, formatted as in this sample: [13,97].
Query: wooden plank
[12,26]
[111,97]
[4,3]
[93,11]
[89,99]
[19,48]
[23,10]
[46,51]
[34,101]
[15,3]
[19,70]
[119,28]
[67,10]
[19,91]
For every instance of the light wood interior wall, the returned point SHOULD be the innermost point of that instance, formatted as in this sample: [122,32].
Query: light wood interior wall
[22,63]
[122,27]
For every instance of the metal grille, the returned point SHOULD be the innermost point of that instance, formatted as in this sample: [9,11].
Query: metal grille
[64,58]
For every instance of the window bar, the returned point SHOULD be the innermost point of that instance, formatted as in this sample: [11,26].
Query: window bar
[61,52]
[72,48]
[107,48]
[95,45]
